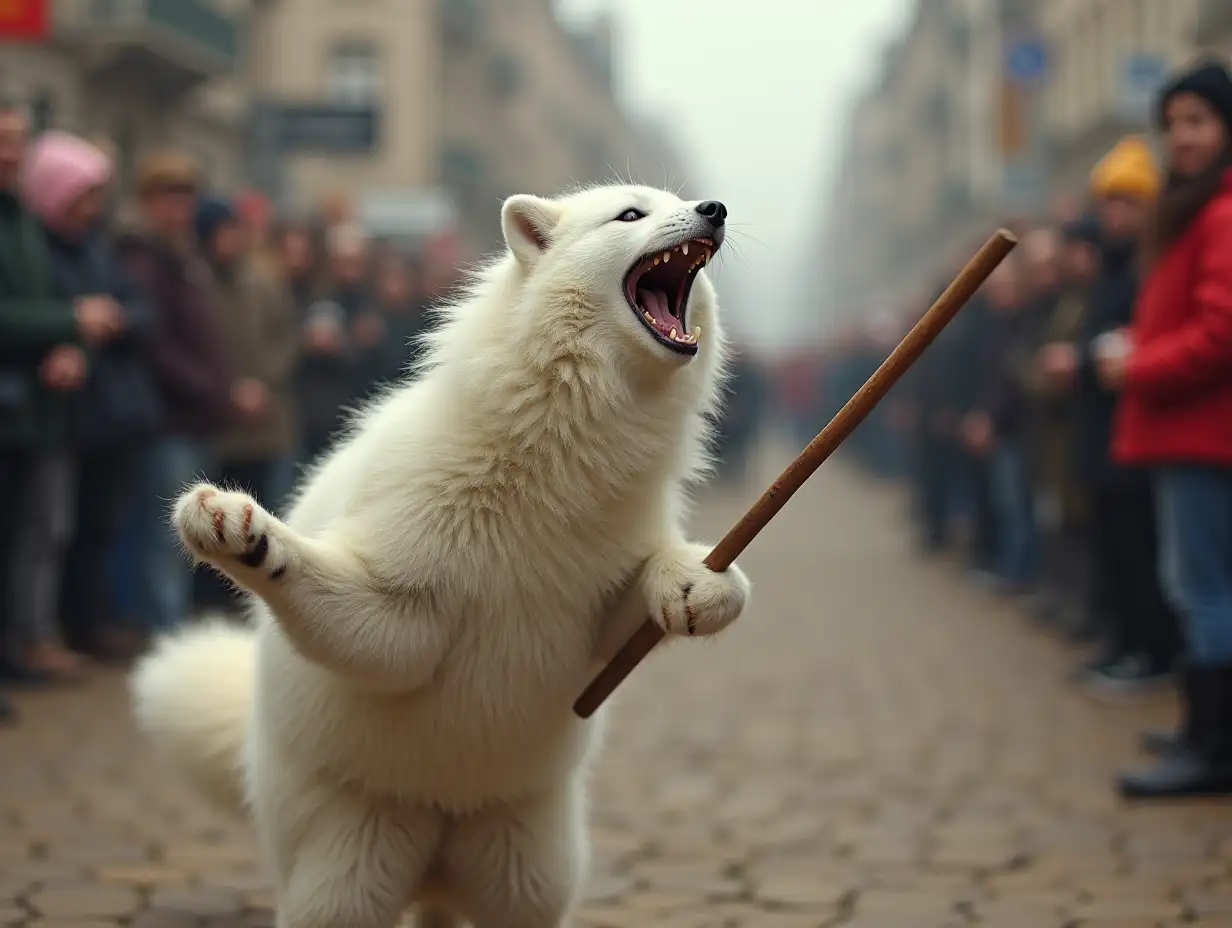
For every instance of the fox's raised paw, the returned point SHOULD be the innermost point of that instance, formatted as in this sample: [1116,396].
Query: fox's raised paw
[688,598]
[227,528]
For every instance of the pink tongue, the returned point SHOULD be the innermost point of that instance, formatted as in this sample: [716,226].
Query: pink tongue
[655,303]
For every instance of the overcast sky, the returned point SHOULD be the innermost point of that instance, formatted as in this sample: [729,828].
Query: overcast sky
[755,92]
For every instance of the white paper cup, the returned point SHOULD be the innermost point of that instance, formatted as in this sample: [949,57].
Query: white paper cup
[1110,346]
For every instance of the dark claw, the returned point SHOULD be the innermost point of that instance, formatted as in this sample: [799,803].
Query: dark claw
[256,555]
[691,624]
[278,572]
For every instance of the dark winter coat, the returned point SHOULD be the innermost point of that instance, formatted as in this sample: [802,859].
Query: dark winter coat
[119,404]
[33,320]
[186,350]
[1110,307]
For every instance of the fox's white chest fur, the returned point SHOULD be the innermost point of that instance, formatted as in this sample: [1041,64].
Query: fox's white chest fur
[521,552]
[400,724]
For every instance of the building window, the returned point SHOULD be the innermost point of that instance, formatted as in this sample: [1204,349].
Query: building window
[42,112]
[463,172]
[505,76]
[937,111]
[354,74]
[460,20]
[127,140]
[960,38]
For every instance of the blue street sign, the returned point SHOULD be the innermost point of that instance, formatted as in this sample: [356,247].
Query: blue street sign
[1026,60]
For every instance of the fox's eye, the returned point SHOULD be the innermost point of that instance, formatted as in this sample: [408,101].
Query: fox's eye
[631,215]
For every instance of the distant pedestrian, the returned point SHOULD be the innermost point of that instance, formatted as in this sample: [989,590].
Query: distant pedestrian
[261,334]
[189,358]
[44,339]
[338,328]
[67,184]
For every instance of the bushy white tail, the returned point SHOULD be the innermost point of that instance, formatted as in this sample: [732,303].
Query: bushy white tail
[192,695]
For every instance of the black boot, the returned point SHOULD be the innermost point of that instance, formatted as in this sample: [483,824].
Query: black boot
[1161,743]
[1202,763]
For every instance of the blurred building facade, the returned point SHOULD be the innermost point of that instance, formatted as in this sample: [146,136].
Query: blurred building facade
[919,165]
[1107,61]
[141,74]
[985,110]
[452,105]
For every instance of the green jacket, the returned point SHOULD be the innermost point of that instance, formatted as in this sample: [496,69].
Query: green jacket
[33,320]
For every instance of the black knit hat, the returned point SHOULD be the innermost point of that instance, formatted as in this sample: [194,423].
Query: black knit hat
[1210,81]
[213,212]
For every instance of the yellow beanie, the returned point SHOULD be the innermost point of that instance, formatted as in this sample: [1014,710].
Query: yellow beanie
[1129,170]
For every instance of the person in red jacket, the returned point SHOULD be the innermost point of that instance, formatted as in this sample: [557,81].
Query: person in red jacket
[1173,369]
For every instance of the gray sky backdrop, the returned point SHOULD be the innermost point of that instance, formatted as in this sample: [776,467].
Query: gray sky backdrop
[754,93]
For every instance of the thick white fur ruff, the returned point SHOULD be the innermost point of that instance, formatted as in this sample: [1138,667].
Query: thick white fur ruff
[398,720]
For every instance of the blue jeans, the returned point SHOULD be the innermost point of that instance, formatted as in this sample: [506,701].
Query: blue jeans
[1016,529]
[283,479]
[1195,526]
[162,585]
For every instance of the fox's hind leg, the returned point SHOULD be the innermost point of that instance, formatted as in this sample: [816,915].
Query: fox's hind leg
[520,866]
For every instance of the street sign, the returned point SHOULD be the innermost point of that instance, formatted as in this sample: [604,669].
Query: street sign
[328,128]
[316,128]
[1026,60]
[1142,77]
[279,129]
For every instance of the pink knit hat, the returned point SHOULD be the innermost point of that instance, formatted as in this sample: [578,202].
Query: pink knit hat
[59,168]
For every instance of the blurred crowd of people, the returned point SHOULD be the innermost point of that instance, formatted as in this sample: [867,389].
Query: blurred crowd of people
[143,345]
[1070,433]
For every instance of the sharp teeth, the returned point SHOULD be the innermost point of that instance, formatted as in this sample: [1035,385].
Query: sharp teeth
[667,256]
[697,332]
[649,318]
[672,333]
[656,262]
[684,249]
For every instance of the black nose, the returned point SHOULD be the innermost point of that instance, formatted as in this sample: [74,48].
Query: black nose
[714,211]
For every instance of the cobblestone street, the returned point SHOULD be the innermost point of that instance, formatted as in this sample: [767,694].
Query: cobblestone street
[877,744]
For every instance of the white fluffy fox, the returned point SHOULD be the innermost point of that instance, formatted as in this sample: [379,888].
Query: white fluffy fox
[398,722]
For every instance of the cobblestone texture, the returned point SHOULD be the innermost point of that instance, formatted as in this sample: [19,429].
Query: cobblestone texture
[876,745]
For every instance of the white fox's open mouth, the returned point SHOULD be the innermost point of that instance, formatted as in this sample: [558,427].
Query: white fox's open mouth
[657,289]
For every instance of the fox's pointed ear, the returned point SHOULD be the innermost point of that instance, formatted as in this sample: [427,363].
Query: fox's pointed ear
[528,223]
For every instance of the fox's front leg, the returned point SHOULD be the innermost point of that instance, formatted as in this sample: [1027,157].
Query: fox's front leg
[322,595]
[233,533]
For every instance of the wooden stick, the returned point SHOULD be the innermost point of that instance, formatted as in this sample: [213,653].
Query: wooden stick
[841,426]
